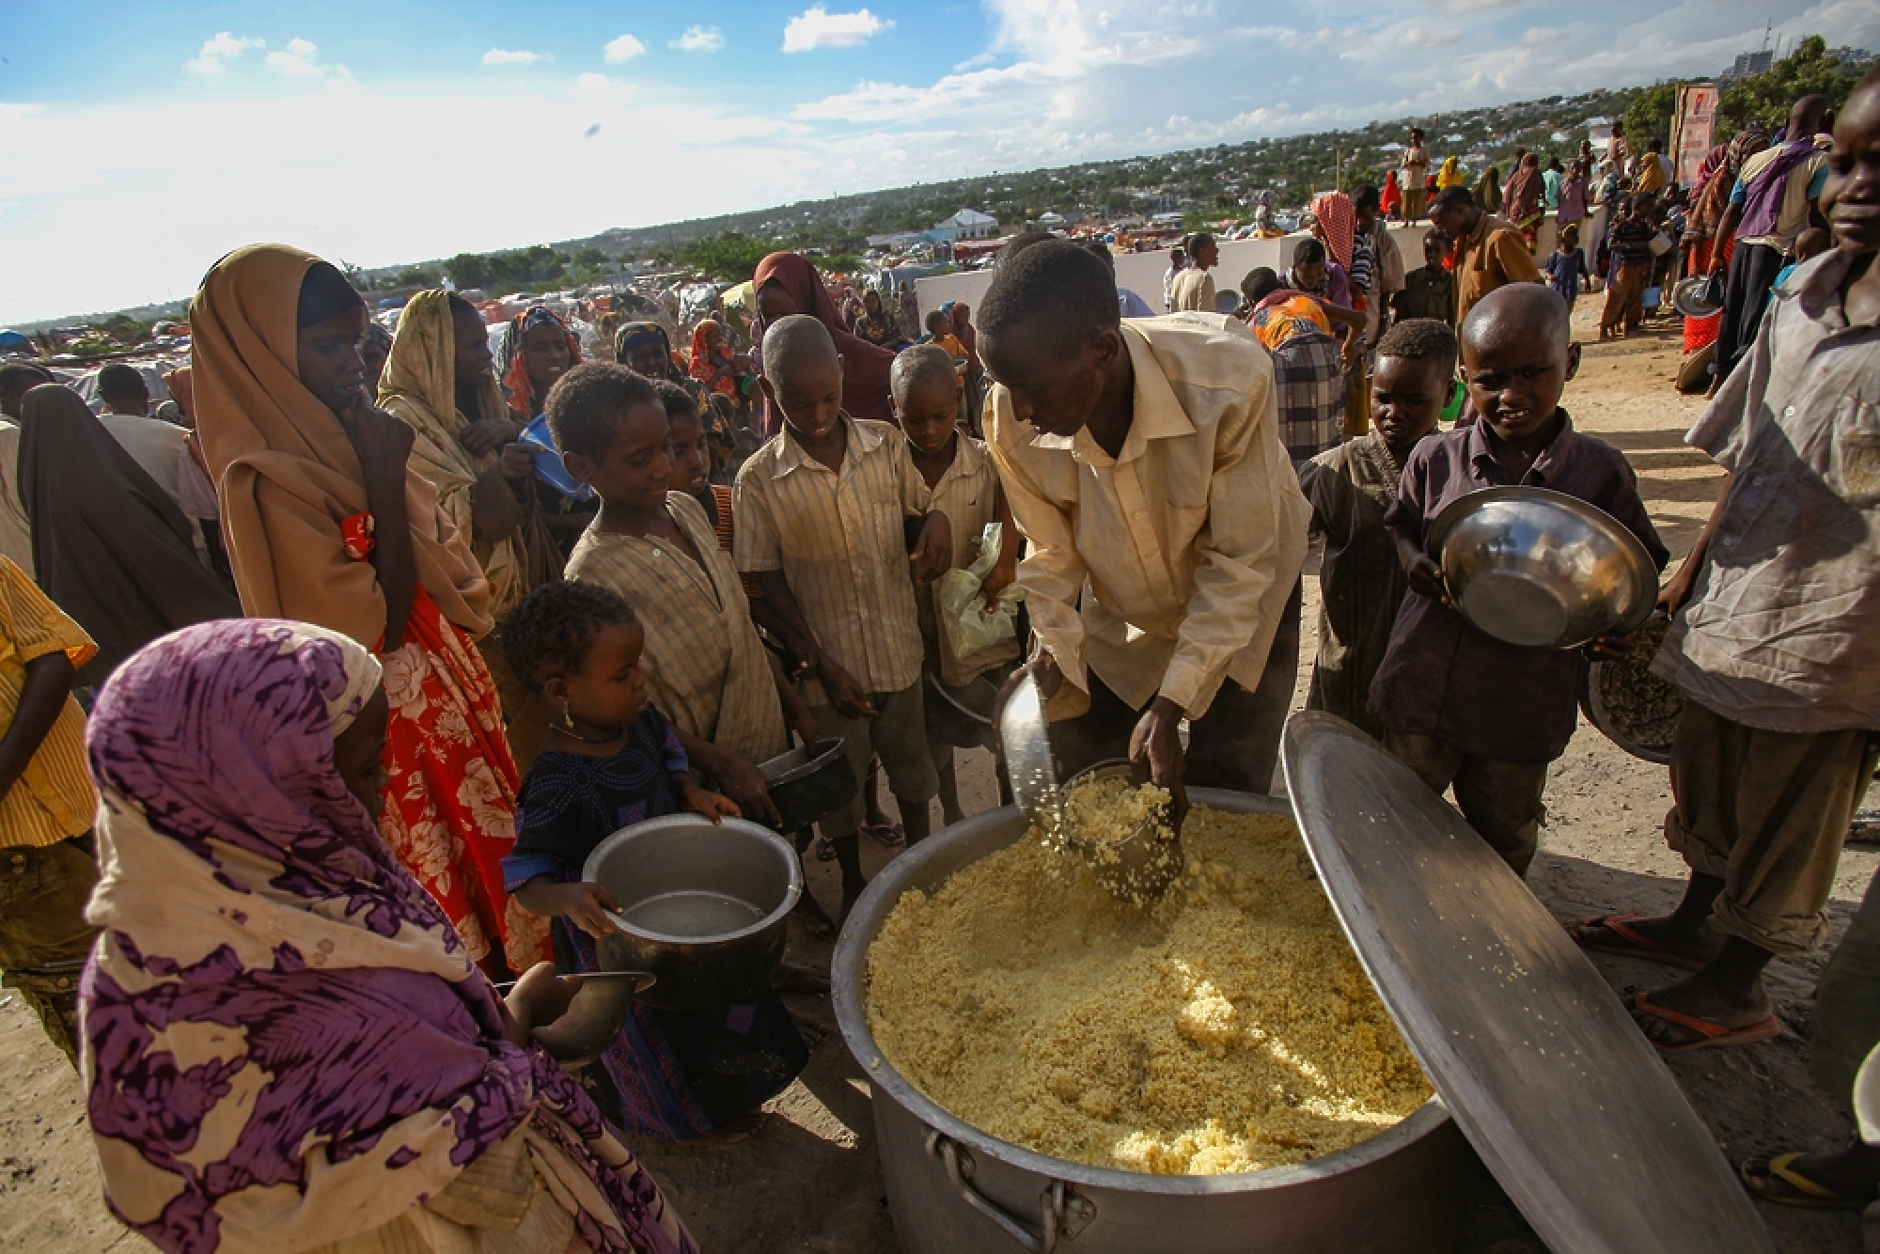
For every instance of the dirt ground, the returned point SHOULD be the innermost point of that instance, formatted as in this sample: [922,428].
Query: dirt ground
[808,1180]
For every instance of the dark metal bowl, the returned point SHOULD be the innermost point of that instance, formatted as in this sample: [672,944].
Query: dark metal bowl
[811,782]
[594,1019]
[962,716]
[1542,569]
[702,906]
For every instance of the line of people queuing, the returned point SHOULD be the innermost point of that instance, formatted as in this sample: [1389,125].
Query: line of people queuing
[312,810]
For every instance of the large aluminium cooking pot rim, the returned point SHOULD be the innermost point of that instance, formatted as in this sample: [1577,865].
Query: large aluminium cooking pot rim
[849,970]
[788,862]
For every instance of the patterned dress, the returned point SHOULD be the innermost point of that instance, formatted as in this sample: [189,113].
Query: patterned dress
[671,1075]
[450,803]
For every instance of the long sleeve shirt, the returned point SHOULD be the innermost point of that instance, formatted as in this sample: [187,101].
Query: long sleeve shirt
[1163,570]
[1442,677]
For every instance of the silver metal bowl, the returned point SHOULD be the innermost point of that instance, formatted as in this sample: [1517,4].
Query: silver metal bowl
[1543,569]
[702,906]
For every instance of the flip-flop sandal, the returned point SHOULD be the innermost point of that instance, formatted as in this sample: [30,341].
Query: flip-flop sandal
[825,849]
[1709,1034]
[1638,944]
[889,834]
[1812,1196]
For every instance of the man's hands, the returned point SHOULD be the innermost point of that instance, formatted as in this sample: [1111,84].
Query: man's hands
[585,905]
[1002,575]
[517,463]
[843,691]
[746,790]
[1426,579]
[932,555]
[1155,748]
[486,434]
[538,999]
[714,806]
[382,442]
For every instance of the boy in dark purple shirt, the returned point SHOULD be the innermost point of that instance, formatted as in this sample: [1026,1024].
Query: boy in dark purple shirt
[1461,708]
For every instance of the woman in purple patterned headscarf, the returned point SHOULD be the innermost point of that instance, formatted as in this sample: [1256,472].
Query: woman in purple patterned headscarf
[286,1045]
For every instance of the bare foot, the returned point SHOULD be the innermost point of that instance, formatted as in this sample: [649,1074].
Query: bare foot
[811,915]
[1681,946]
[1700,998]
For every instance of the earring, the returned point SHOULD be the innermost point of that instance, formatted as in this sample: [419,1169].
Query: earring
[567,719]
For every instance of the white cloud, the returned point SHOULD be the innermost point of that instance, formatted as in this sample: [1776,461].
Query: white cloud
[700,39]
[218,52]
[514,56]
[623,48]
[816,27]
[1058,81]
[301,59]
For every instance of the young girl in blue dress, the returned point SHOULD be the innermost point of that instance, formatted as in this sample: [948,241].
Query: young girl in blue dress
[611,760]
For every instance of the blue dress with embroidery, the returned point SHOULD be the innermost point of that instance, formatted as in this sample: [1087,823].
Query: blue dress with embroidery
[673,1074]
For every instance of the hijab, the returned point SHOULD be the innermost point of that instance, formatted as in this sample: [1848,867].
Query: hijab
[1338,218]
[512,366]
[110,545]
[285,1042]
[419,387]
[1521,198]
[865,366]
[1450,175]
[632,335]
[288,474]
[1488,190]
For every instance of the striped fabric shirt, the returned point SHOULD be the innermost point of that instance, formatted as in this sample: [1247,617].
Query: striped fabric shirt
[967,494]
[838,538]
[54,799]
[1165,570]
[705,669]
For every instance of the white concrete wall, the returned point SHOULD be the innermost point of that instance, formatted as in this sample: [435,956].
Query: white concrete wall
[1142,272]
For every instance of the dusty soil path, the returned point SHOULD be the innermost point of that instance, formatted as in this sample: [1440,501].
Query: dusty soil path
[808,1179]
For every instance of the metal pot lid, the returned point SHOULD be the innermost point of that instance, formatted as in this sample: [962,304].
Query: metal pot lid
[1537,1060]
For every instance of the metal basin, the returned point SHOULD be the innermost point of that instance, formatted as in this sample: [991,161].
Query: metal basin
[962,716]
[702,906]
[955,1190]
[811,782]
[1542,569]
[594,1019]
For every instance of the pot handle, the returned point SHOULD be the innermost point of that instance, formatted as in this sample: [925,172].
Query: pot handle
[1060,1212]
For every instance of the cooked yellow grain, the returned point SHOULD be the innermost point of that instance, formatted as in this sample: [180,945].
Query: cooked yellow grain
[1226,1028]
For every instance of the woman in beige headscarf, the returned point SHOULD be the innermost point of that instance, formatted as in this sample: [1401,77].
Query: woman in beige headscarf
[328,523]
[439,379]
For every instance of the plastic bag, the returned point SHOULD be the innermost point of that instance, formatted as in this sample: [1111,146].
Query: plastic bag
[967,627]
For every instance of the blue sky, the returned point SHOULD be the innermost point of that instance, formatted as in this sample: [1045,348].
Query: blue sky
[140,141]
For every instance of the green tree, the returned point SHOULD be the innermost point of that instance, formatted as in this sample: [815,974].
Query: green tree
[1767,98]
[469,270]
[1650,113]
[415,276]
[731,257]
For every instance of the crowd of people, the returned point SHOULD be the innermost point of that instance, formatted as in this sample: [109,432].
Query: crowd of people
[319,697]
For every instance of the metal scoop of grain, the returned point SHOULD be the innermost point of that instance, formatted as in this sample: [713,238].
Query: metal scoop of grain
[1139,867]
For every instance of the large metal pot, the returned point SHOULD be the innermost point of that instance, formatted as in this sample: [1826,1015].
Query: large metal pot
[703,906]
[955,1190]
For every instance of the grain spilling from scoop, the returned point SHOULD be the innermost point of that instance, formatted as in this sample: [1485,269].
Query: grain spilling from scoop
[1225,1028]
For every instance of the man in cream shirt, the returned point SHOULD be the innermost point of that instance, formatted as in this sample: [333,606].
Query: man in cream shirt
[1166,526]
